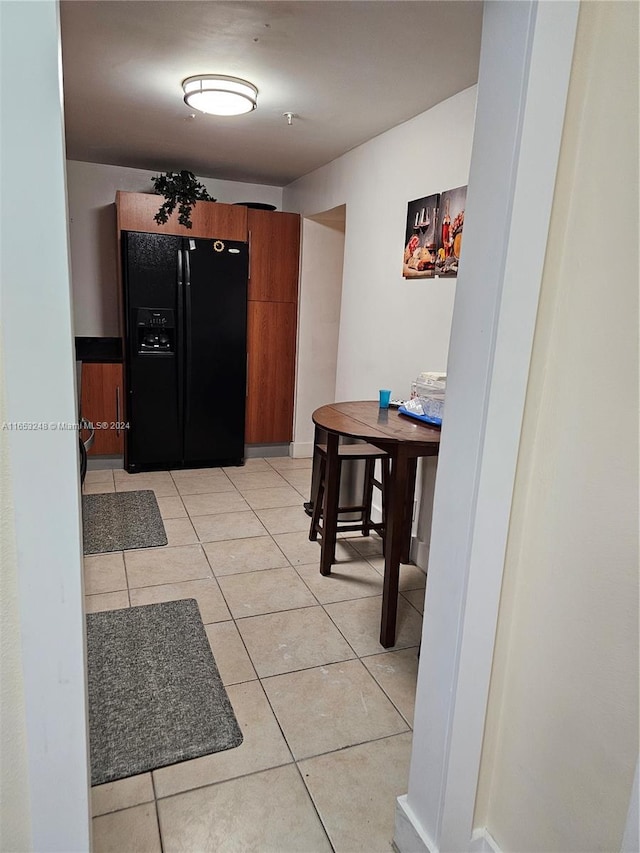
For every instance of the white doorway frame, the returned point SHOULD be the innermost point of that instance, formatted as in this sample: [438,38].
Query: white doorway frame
[319,311]
[525,66]
[43,479]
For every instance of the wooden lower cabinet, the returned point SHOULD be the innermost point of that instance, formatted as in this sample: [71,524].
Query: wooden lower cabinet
[101,403]
[271,352]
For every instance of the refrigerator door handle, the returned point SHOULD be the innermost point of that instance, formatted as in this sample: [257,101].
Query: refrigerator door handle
[188,341]
[179,341]
[118,416]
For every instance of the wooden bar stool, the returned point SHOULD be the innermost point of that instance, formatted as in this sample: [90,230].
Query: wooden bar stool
[325,519]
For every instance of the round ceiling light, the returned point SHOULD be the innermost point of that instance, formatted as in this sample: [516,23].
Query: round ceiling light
[219,95]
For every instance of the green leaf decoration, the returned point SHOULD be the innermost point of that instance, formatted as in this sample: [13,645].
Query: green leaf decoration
[181,190]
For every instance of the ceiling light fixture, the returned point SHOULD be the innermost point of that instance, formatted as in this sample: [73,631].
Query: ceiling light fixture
[219,95]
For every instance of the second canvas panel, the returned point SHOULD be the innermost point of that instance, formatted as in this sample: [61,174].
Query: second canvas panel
[449,229]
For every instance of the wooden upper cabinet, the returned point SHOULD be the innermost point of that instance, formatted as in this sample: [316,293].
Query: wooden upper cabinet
[274,250]
[209,218]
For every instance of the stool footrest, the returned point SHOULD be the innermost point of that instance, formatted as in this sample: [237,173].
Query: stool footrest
[355,451]
[344,527]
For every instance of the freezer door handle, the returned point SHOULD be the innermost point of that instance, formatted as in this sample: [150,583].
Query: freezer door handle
[188,341]
[118,415]
[179,340]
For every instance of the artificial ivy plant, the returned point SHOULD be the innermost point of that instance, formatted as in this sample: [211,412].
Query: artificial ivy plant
[179,189]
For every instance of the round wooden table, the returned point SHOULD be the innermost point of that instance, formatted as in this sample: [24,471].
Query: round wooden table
[405,440]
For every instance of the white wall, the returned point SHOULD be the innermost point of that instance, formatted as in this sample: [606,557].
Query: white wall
[44,484]
[561,743]
[91,189]
[319,321]
[391,329]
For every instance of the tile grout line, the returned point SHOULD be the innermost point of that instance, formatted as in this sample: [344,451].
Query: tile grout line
[126,577]
[157,811]
[315,808]
[214,784]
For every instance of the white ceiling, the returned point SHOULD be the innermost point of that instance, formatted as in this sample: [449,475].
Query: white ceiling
[347,70]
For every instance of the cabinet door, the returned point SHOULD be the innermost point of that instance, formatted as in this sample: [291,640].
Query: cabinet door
[101,403]
[274,250]
[209,219]
[271,335]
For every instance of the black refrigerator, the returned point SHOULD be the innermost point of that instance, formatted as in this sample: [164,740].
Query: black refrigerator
[185,316]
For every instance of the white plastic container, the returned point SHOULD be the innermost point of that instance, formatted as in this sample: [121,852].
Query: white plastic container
[427,383]
[428,390]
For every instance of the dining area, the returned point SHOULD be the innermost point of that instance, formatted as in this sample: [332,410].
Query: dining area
[372,432]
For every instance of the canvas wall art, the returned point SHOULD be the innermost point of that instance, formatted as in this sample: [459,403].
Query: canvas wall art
[433,234]
[449,227]
[420,244]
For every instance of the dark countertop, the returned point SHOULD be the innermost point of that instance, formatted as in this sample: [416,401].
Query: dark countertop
[99,349]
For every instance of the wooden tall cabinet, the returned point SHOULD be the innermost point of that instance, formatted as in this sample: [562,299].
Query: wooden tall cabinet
[274,248]
[102,405]
[271,335]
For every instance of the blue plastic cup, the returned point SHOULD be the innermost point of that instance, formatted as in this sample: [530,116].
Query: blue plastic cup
[385,396]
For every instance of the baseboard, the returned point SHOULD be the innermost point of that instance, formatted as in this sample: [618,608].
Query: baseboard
[300,450]
[409,836]
[419,553]
[104,463]
[483,842]
[253,451]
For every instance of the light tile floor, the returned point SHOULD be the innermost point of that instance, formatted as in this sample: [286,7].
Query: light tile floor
[326,712]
